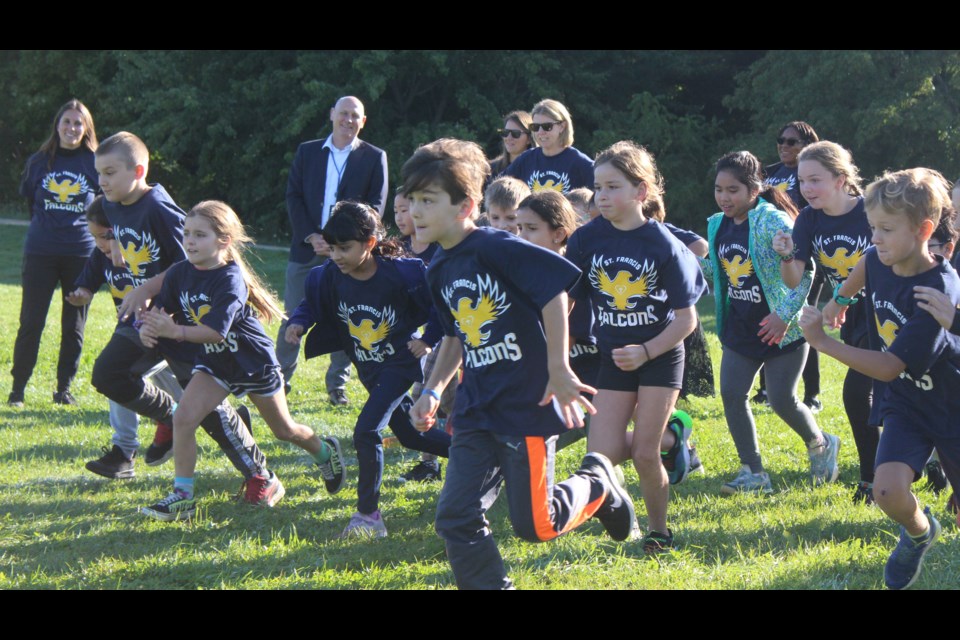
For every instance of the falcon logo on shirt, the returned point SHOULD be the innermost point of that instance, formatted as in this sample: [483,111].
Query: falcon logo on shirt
[472,316]
[65,187]
[474,311]
[194,315]
[887,330]
[842,261]
[118,294]
[138,256]
[549,181]
[737,268]
[369,333]
[623,289]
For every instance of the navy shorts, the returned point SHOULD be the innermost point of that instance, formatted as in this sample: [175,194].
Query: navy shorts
[666,370]
[912,442]
[266,383]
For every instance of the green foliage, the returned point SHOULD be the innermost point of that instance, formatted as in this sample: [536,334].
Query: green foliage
[225,124]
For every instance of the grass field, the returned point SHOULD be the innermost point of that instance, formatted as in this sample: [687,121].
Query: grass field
[62,527]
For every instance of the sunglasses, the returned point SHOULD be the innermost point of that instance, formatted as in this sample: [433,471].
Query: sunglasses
[789,142]
[511,133]
[546,126]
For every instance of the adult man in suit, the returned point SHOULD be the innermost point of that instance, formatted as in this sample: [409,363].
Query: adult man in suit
[342,167]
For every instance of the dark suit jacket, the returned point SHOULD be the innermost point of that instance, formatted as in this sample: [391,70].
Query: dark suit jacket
[364,179]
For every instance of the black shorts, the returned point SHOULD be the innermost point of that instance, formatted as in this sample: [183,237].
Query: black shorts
[666,370]
[266,383]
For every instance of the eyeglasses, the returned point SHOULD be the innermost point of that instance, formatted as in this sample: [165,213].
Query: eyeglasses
[546,126]
[789,142]
[512,133]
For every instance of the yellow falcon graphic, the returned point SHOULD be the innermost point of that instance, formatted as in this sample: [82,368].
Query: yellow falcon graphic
[194,316]
[622,287]
[842,261]
[737,269]
[783,186]
[471,317]
[887,330]
[549,185]
[365,333]
[119,294]
[138,257]
[63,189]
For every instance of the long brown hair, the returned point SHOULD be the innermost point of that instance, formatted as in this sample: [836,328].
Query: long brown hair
[226,224]
[747,170]
[49,148]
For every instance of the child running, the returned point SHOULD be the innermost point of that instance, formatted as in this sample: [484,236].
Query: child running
[216,300]
[370,303]
[503,306]
[915,360]
[756,315]
[832,232]
[641,283]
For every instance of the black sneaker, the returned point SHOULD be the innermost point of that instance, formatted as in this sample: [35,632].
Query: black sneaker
[936,478]
[423,471]
[656,542]
[244,414]
[332,471]
[113,464]
[760,397]
[616,514]
[15,399]
[813,403]
[161,449]
[64,397]
[338,398]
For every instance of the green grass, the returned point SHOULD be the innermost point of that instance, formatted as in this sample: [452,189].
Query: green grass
[62,527]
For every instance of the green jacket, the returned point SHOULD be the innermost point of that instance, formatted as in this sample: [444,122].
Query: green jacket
[764,220]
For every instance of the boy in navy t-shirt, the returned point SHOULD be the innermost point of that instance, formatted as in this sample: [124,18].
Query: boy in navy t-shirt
[915,361]
[503,306]
[148,231]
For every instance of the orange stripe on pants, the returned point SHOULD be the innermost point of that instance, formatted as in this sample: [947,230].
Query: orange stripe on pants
[541,500]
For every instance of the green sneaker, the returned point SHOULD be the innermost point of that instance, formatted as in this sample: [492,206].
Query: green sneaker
[677,460]
[175,506]
[747,482]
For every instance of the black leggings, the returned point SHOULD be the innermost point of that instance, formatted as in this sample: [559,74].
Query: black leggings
[41,275]
[857,400]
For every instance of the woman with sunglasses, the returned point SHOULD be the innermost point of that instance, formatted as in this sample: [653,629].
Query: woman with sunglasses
[791,140]
[556,164]
[516,139]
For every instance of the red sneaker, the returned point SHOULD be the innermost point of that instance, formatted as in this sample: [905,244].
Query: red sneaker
[262,490]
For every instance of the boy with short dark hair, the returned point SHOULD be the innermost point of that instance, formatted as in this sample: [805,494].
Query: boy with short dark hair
[915,361]
[148,231]
[503,306]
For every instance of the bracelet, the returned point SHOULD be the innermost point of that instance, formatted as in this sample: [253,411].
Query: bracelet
[645,352]
[430,392]
[841,300]
[787,260]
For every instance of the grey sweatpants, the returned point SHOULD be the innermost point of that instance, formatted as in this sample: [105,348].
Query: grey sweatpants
[737,373]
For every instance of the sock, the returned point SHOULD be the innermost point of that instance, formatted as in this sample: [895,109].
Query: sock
[323,456]
[756,469]
[183,486]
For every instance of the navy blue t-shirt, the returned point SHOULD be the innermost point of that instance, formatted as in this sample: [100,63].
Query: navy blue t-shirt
[99,270]
[684,236]
[426,255]
[633,279]
[748,304]
[216,298]
[374,319]
[929,390]
[59,197]
[836,244]
[569,169]
[150,233]
[784,178]
[489,291]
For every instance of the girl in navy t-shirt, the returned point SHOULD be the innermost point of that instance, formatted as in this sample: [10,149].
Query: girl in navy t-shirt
[833,234]
[216,304]
[642,284]
[371,304]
